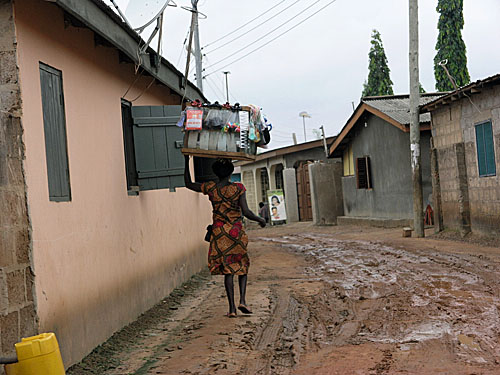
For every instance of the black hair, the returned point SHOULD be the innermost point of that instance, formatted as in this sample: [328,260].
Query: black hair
[275,208]
[261,204]
[222,168]
[275,196]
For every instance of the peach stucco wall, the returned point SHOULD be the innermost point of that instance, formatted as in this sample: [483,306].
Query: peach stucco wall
[105,257]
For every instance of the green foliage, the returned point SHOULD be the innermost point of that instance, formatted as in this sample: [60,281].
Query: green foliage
[379,80]
[450,45]
[421,88]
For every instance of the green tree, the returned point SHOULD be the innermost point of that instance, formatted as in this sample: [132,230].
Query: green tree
[379,79]
[450,46]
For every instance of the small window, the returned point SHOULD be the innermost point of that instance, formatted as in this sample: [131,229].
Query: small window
[278,176]
[485,149]
[54,126]
[364,172]
[152,144]
[264,182]
[348,161]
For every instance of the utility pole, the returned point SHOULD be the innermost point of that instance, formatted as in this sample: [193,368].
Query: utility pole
[416,166]
[294,138]
[227,86]
[197,49]
[324,139]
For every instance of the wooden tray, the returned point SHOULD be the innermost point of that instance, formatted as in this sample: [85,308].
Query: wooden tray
[218,154]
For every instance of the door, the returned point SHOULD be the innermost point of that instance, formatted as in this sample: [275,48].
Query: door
[304,192]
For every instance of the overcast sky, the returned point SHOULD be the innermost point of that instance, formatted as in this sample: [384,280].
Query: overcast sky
[320,66]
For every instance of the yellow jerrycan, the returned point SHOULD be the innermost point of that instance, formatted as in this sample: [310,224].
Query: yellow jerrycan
[37,355]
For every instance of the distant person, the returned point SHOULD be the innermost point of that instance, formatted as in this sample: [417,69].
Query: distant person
[227,254]
[264,211]
[275,201]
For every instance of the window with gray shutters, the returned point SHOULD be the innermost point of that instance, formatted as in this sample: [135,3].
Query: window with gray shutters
[54,125]
[153,143]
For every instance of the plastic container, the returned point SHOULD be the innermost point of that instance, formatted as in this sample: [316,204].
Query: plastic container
[37,355]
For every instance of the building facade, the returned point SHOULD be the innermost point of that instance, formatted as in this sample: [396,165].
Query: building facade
[375,149]
[466,138]
[289,169]
[89,240]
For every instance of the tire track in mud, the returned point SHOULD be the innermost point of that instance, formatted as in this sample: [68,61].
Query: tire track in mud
[408,299]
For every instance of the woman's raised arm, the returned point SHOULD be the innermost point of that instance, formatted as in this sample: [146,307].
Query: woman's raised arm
[248,213]
[194,186]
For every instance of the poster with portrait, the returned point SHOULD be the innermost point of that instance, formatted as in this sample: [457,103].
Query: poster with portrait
[277,208]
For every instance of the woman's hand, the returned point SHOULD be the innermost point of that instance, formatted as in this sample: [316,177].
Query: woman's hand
[195,186]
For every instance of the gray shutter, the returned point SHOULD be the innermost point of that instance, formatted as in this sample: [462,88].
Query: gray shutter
[54,124]
[158,142]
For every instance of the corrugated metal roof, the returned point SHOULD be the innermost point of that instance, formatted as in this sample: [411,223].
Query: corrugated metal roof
[398,106]
[462,92]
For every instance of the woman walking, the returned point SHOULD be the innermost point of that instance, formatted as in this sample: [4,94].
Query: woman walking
[227,254]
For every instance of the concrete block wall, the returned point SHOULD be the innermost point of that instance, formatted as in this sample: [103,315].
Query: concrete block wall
[17,305]
[290,188]
[463,192]
[326,192]
[247,178]
[484,192]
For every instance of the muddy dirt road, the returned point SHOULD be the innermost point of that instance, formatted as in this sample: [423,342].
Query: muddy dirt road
[334,300]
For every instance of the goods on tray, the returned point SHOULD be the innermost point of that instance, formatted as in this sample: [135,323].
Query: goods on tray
[214,130]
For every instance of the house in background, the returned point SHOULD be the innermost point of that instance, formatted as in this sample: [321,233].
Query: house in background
[466,137]
[375,149]
[294,169]
[92,232]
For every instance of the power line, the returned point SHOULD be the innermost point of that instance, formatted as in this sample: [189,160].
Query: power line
[218,89]
[253,28]
[242,26]
[262,37]
[272,40]
[212,88]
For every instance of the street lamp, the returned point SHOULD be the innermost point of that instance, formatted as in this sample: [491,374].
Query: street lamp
[227,85]
[304,114]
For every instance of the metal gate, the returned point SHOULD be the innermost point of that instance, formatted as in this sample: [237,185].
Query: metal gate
[304,192]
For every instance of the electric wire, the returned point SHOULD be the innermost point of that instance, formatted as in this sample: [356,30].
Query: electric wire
[143,91]
[213,88]
[262,37]
[242,26]
[272,40]
[183,49]
[219,90]
[255,27]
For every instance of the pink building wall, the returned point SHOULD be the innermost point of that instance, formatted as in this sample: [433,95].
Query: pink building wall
[105,257]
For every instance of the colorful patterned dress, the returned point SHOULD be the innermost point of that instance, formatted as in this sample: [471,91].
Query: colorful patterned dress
[228,244]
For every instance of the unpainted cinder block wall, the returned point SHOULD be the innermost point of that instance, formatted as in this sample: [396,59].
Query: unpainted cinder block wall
[469,202]
[484,192]
[17,307]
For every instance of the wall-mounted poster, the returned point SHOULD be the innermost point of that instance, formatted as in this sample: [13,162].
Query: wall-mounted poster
[277,208]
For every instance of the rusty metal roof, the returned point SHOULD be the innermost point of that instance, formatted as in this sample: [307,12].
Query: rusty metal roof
[463,92]
[398,106]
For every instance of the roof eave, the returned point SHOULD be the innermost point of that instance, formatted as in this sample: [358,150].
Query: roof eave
[116,32]
[461,93]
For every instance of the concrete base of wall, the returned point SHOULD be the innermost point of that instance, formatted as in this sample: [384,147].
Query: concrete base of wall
[374,222]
